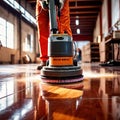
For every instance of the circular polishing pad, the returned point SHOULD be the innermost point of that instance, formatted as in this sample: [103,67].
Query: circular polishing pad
[68,74]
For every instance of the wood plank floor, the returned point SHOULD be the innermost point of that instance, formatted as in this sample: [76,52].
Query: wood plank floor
[24,96]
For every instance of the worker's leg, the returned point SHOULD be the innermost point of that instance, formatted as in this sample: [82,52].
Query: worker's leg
[64,21]
[43,31]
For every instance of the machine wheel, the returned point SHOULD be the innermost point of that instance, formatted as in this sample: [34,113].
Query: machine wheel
[47,63]
[75,62]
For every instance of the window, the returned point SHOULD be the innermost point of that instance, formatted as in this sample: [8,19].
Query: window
[14,4]
[28,43]
[10,37]
[3,31]
[22,9]
[6,33]
[11,1]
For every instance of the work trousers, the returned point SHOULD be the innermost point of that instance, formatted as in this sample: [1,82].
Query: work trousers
[42,17]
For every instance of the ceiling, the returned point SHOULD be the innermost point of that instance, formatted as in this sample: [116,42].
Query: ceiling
[86,11]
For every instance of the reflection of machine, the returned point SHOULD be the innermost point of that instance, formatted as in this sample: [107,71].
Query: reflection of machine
[62,103]
[61,65]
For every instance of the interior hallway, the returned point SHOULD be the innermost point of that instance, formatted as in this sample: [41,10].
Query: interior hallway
[23,96]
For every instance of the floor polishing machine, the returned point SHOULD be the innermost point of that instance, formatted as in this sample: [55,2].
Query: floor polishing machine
[61,66]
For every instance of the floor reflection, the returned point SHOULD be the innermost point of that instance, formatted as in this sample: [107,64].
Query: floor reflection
[106,87]
[24,97]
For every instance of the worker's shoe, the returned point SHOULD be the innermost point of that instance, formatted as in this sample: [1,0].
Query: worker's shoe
[111,63]
[43,63]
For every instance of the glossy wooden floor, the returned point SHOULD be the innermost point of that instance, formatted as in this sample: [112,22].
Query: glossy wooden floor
[23,96]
